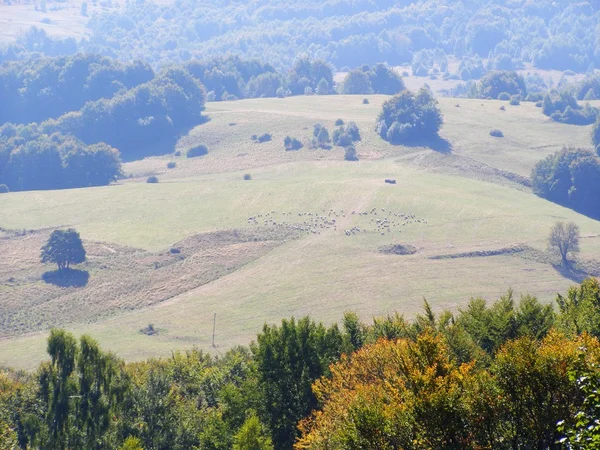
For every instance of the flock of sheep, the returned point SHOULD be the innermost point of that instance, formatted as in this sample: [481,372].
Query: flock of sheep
[381,221]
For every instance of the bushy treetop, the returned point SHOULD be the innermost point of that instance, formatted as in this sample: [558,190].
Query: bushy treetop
[64,247]
[408,117]
[497,82]
[570,177]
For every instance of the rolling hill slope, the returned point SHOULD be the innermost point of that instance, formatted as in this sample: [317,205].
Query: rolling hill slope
[465,209]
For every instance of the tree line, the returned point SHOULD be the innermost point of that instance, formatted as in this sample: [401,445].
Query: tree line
[84,146]
[505,375]
[571,177]
[32,160]
[550,34]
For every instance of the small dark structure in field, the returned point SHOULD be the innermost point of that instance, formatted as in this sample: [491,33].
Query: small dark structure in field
[152,179]
[149,330]
[399,249]
[390,181]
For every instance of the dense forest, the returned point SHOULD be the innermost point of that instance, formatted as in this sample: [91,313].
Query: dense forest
[77,116]
[549,34]
[508,375]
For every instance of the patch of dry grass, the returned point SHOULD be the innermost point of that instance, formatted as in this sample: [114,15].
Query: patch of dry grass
[120,278]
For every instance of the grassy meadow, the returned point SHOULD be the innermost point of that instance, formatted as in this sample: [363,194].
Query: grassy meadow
[449,202]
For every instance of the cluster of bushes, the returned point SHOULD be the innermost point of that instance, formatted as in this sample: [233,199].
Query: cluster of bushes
[501,375]
[379,79]
[320,137]
[408,118]
[265,137]
[570,177]
[346,135]
[291,144]
[502,85]
[563,107]
[32,160]
[197,150]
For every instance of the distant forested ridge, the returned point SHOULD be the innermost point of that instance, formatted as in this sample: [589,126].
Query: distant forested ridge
[551,34]
[39,89]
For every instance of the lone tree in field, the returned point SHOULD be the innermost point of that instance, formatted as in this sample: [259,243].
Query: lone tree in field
[64,247]
[564,240]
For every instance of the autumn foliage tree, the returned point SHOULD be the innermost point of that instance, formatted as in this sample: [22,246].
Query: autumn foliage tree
[412,394]
[388,395]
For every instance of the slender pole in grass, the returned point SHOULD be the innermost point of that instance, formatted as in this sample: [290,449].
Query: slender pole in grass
[214,326]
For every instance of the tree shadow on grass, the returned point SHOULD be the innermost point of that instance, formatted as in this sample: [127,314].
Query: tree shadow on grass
[67,277]
[436,143]
[572,272]
[164,145]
